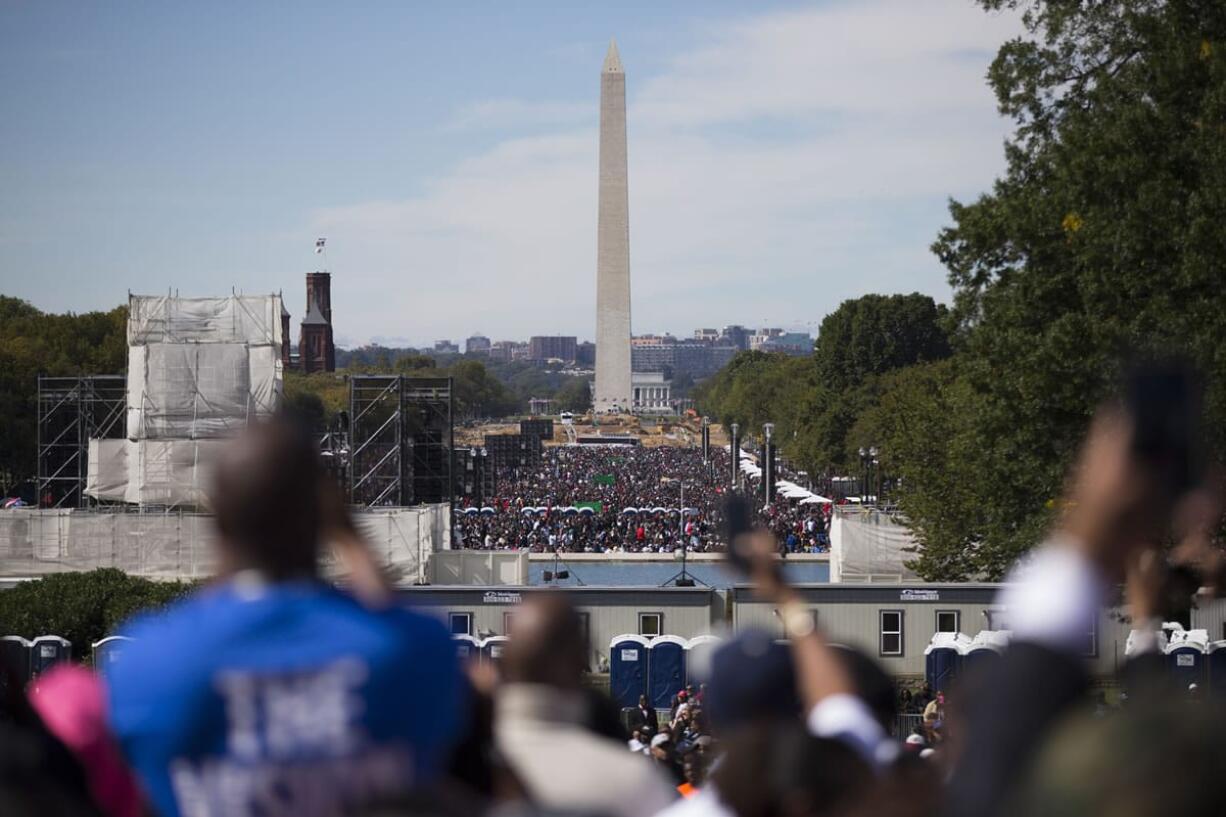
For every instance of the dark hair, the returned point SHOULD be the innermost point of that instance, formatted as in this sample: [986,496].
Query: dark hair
[265,499]
[776,768]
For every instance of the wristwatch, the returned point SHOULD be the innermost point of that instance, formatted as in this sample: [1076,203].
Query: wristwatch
[797,619]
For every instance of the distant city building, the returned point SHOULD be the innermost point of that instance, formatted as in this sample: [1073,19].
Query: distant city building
[585,354]
[446,347]
[706,335]
[520,351]
[791,343]
[477,345]
[552,347]
[652,340]
[500,350]
[652,392]
[695,358]
[316,351]
[538,406]
[736,335]
[762,336]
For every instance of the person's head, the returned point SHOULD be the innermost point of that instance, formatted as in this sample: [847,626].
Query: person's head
[775,768]
[1156,757]
[266,499]
[642,702]
[873,684]
[548,647]
[691,770]
[662,747]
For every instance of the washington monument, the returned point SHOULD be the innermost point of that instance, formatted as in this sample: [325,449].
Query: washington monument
[613,245]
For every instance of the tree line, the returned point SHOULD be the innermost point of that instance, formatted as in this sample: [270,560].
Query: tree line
[1104,239]
[33,343]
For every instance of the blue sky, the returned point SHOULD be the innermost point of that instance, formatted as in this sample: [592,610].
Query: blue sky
[783,156]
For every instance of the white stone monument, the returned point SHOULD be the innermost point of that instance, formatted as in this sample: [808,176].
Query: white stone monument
[613,389]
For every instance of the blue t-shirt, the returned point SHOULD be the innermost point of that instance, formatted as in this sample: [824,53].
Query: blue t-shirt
[283,699]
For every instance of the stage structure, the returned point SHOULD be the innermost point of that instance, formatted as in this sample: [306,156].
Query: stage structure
[71,412]
[199,371]
[401,438]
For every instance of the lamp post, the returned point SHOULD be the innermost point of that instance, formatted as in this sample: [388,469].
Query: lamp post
[768,464]
[868,461]
[735,450]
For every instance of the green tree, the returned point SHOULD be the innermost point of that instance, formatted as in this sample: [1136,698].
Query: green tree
[82,607]
[875,334]
[1105,236]
[575,395]
[33,343]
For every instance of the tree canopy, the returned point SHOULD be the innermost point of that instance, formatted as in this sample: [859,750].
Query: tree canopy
[33,343]
[1103,239]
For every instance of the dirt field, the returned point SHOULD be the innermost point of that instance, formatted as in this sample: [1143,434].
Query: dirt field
[673,431]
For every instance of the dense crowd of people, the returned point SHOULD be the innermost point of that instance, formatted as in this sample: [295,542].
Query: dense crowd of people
[272,692]
[595,499]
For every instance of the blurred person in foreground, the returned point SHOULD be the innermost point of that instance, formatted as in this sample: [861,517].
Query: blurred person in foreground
[271,692]
[542,722]
[1013,716]
[803,726]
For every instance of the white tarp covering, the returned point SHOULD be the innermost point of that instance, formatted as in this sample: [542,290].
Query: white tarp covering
[249,319]
[201,367]
[868,545]
[181,545]
[151,472]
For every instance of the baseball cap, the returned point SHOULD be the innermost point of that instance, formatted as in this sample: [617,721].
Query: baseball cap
[751,677]
[660,740]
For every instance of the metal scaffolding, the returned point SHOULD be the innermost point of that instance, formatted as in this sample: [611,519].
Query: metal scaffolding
[401,437]
[71,411]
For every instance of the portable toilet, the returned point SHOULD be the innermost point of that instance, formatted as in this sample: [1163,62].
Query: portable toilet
[1134,638]
[108,651]
[492,647]
[943,659]
[987,645]
[698,657]
[665,669]
[1185,658]
[1216,659]
[466,647]
[15,656]
[628,669]
[46,651]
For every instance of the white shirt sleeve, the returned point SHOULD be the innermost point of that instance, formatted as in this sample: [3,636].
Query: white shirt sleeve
[1053,598]
[846,718]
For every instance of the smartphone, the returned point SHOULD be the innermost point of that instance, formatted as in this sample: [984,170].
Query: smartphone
[737,523]
[1164,401]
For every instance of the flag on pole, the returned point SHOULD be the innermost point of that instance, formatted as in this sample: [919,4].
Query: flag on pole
[319,245]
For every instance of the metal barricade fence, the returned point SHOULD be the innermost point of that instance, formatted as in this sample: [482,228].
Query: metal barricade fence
[905,724]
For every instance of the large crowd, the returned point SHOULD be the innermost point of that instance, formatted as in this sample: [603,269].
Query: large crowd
[596,499]
[272,692]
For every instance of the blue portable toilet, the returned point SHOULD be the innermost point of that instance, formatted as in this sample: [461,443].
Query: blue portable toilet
[665,669]
[987,645]
[15,655]
[698,657]
[628,669]
[467,648]
[1216,659]
[492,647]
[108,651]
[46,651]
[943,659]
[1185,658]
